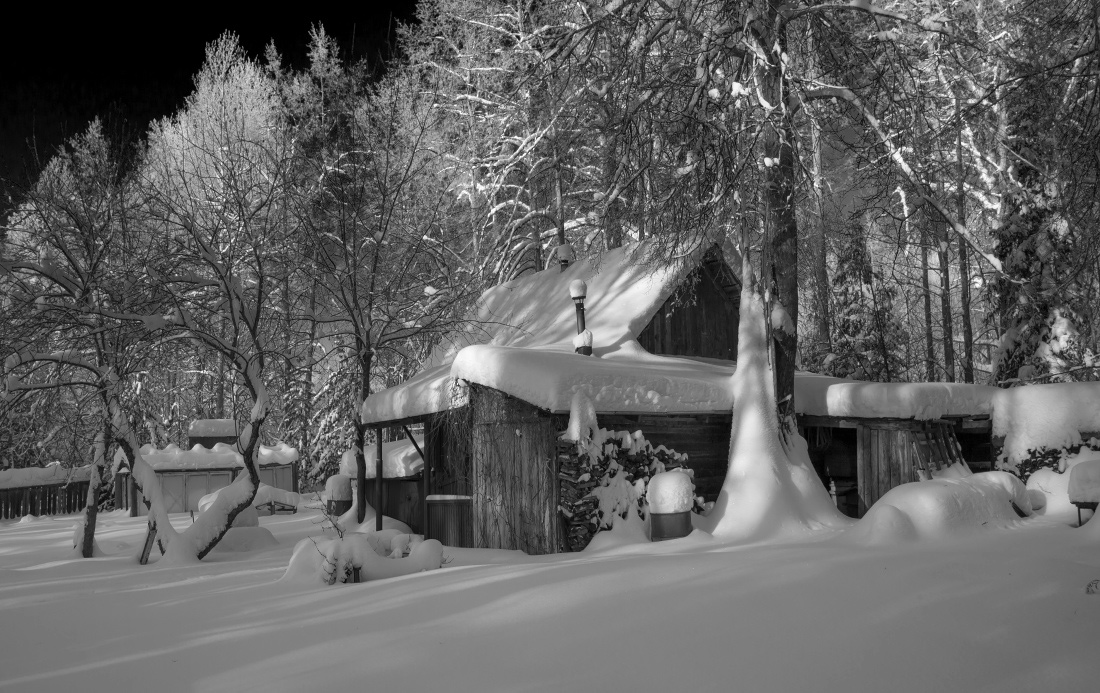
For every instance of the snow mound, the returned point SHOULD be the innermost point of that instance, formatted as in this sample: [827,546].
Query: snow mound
[943,507]
[245,539]
[1045,416]
[331,561]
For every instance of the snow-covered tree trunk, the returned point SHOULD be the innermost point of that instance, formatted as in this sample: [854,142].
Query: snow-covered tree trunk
[771,488]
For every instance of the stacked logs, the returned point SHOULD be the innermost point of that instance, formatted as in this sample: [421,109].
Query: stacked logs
[579,473]
[580,510]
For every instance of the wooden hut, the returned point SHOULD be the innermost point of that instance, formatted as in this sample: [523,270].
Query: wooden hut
[494,398]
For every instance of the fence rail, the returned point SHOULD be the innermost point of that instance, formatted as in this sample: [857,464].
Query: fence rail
[54,499]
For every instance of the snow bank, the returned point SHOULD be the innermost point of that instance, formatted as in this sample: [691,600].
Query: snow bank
[245,539]
[399,459]
[53,473]
[221,456]
[943,507]
[1045,416]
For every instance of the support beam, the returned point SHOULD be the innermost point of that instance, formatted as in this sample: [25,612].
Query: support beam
[425,482]
[378,480]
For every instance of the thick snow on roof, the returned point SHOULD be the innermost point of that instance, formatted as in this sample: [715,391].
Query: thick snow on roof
[536,315]
[1045,416]
[207,428]
[53,473]
[221,456]
[521,342]
[822,395]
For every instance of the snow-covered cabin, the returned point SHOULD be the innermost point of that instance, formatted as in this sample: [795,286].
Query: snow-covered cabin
[188,475]
[495,397]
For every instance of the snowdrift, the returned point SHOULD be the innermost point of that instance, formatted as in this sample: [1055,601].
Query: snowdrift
[943,507]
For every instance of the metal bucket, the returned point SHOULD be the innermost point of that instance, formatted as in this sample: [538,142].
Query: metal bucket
[664,526]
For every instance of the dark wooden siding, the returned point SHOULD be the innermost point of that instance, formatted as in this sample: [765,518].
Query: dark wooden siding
[700,318]
[705,438]
[513,469]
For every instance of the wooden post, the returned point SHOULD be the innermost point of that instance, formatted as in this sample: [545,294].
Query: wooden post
[378,482]
[424,481]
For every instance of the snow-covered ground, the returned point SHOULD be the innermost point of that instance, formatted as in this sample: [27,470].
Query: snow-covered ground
[1000,608]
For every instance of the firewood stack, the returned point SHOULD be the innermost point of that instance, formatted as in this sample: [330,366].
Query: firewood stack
[580,511]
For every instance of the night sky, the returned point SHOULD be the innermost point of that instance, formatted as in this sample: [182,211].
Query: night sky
[63,68]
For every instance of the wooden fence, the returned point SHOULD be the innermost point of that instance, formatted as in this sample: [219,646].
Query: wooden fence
[55,499]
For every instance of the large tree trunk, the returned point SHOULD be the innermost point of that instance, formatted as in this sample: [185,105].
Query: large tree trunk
[943,244]
[771,488]
[365,358]
[821,271]
[780,253]
[926,296]
[964,268]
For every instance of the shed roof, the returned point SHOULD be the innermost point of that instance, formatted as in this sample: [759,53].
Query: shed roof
[520,341]
[221,456]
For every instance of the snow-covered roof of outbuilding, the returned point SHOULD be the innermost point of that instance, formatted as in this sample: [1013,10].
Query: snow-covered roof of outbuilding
[221,456]
[520,341]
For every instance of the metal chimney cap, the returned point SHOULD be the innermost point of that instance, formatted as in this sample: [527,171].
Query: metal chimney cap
[578,289]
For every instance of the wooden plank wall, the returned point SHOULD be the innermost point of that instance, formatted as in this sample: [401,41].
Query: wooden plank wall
[514,473]
[705,438]
[700,319]
[55,499]
[884,459]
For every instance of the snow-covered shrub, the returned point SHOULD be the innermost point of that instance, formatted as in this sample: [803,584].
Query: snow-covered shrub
[604,480]
[376,555]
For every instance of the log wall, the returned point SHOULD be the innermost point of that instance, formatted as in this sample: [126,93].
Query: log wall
[514,473]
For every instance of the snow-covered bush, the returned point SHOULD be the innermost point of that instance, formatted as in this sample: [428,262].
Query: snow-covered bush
[376,555]
[604,481]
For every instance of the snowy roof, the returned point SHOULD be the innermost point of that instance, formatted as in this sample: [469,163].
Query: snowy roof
[521,342]
[209,428]
[52,473]
[221,456]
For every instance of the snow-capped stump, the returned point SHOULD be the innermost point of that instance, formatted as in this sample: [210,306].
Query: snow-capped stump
[363,556]
[338,494]
[671,496]
[1084,486]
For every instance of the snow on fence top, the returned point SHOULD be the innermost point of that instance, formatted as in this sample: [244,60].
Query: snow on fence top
[212,428]
[221,456]
[52,473]
[520,341]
